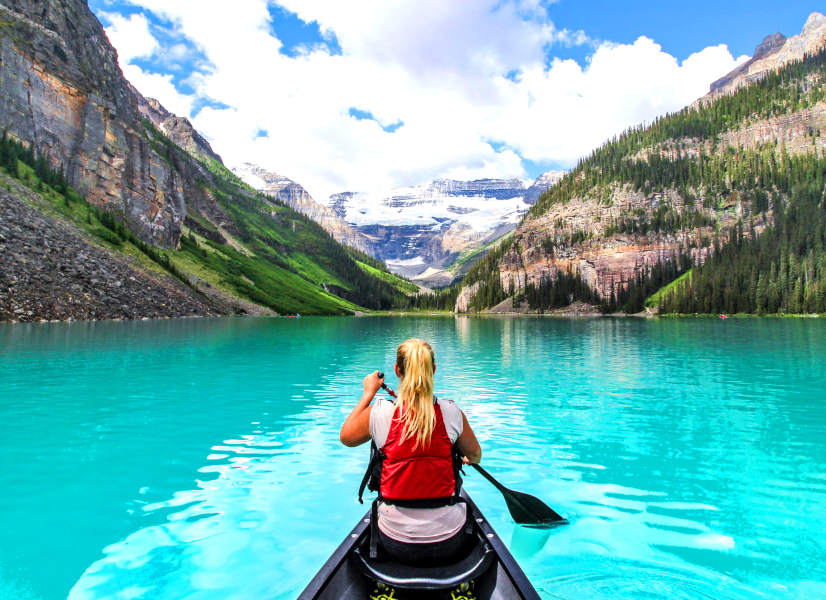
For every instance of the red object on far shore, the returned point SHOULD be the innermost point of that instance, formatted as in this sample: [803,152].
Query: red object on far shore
[723,317]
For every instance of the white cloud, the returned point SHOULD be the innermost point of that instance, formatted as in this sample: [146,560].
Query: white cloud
[154,85]
[131,37]
[437,66]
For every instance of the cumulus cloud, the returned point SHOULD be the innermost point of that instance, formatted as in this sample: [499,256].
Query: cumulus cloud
[439,67]
[131,37]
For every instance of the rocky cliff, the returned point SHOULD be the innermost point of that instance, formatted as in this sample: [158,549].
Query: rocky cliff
[62,91]
[295,196]
[178,129]
[576,237]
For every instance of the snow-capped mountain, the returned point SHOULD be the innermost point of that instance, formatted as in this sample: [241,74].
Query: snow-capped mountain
[420,230]
[542,183]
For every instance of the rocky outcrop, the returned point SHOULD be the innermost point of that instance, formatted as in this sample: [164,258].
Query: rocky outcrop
[62,91]
[574,237]
[773,52]
[799,132]
[50,271]
[464,297]
[178,129]
[296,197]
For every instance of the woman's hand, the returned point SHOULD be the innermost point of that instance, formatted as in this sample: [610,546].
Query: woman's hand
[372,383]
[356,428]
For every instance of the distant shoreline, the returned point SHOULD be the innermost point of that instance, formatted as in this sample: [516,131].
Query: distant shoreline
[407,313]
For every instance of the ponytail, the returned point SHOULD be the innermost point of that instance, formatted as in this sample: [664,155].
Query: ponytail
[416,363]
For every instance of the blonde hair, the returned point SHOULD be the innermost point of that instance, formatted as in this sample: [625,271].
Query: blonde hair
[416,363]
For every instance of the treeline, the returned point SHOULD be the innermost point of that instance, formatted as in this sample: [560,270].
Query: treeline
[12,151]
[743,174]
[443,299]
[792,87]
[556,292]
[664,220]
[783,270]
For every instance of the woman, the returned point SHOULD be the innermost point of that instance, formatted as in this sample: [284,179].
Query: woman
[419,516]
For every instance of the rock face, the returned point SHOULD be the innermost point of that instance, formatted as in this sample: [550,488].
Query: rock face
[62,91]
[178,129]
[296,197]
[797,131]
[773,52]
[464,297]
[421,229]
[604,259]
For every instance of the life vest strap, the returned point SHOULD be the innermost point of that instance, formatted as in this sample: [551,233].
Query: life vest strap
[423,502]
[373,467]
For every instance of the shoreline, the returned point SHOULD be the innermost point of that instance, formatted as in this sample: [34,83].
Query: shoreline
[558,314]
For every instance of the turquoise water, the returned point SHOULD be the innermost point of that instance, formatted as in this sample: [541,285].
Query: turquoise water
[200,458]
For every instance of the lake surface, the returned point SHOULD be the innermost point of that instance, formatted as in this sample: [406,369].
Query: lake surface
[200,459]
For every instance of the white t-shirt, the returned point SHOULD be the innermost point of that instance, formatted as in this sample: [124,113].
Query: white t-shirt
[418,525]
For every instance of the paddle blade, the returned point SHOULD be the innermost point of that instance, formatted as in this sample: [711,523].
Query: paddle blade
[530,510]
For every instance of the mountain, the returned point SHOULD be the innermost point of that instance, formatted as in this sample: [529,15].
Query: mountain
[295,196]
[773,52]
[421,231]
[542,184]
[644,208]
[115,176]
[178,129]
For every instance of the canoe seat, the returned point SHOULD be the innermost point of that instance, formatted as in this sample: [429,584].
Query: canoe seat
[442,577]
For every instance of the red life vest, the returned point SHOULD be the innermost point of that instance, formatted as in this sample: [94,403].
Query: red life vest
[418,473]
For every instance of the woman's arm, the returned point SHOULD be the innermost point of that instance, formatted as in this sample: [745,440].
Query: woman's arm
[468,444]
[356,428]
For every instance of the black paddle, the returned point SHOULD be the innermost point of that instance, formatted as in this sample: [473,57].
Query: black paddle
[524,508]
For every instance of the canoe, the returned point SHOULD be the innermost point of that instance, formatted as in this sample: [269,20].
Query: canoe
[349,572]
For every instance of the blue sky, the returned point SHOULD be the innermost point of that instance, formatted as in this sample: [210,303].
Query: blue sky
[347,95]
[685,27]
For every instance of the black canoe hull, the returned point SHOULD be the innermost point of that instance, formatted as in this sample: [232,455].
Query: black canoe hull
[342,577]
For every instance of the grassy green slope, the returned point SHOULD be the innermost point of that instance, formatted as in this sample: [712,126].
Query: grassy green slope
[654,299]
[286,241]
[402,285]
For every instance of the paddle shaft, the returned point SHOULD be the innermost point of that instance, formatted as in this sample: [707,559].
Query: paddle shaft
[490,478]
